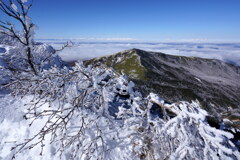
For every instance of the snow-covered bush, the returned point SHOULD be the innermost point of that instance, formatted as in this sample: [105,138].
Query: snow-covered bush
[95,113]
[13,61]
[44,57]
[7,40]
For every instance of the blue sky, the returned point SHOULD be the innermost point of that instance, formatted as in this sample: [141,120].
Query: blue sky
[138,19]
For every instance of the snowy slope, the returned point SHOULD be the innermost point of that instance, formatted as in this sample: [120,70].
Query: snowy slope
[108,119]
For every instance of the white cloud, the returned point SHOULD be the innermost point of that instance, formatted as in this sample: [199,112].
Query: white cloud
[229,52]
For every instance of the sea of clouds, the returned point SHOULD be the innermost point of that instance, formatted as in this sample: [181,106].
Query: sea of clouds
[228,52]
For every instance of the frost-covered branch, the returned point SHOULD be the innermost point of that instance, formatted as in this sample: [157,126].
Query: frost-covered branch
[18,10]
[93,113]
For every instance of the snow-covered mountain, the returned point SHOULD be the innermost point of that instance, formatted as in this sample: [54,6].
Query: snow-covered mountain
[95,113]
[98,114]
[213,82]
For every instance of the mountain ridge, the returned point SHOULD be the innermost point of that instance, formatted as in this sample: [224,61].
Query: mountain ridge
[213,82]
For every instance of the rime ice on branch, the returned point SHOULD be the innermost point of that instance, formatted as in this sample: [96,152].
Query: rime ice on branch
[18,10]
[95,113]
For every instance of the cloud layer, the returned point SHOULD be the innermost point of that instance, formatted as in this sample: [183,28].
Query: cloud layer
[228,52]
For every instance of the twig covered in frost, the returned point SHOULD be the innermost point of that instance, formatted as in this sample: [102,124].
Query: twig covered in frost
[18,10]
[93,113]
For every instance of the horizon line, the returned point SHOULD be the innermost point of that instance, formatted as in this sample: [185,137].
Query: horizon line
[132,40]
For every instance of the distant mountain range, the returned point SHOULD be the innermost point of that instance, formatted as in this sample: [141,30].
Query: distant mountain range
[214,83]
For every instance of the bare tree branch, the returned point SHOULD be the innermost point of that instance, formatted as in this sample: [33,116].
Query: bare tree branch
[21,16]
